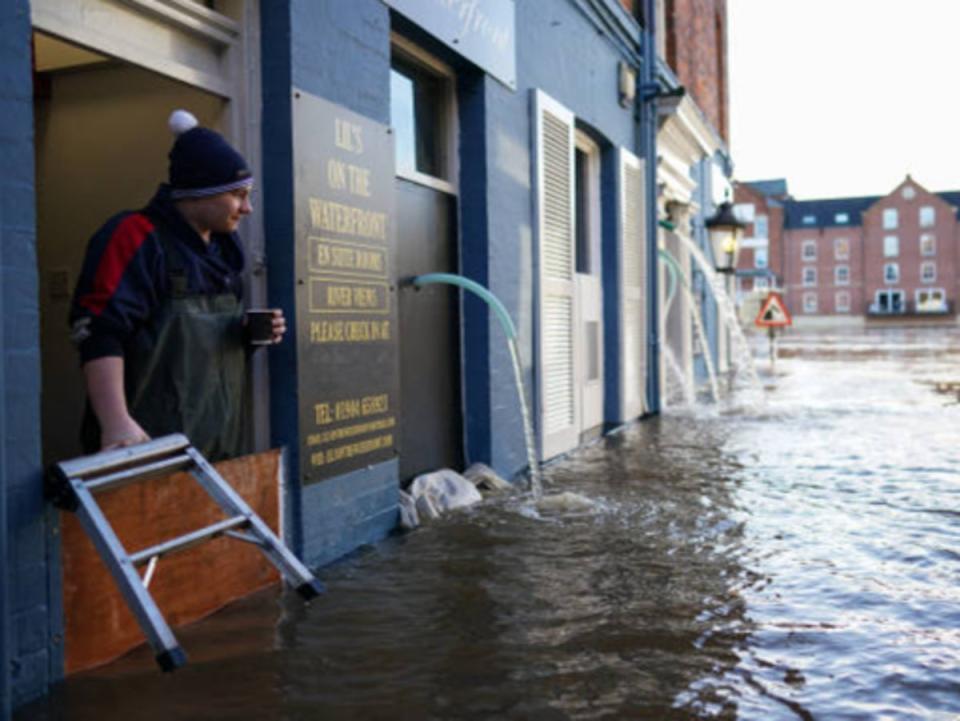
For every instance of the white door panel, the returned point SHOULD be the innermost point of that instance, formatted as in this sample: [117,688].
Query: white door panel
[633,283]
[558,402]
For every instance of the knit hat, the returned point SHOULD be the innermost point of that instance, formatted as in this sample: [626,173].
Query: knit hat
[202,163]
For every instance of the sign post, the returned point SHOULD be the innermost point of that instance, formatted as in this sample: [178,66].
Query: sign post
[773,314]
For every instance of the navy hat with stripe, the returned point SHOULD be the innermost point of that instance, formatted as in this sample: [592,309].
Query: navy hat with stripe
[202,163]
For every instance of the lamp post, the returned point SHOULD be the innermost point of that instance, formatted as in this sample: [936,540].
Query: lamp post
[725,230]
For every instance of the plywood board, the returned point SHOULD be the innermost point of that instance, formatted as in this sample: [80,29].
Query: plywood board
[187,586]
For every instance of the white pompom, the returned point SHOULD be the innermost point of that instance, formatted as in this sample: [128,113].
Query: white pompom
[181,121]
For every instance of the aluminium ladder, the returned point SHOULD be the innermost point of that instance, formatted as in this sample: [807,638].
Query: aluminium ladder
[71,485]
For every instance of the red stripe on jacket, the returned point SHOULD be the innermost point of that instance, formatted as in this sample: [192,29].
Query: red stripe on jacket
[122,246]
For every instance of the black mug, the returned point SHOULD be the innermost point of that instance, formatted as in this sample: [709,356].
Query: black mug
[260,326]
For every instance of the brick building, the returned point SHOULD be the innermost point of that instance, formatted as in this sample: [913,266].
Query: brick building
[695,40]
[858,259]
[761,206]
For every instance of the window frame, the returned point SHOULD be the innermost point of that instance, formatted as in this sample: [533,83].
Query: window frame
[933,216]
[591,150]
[836,275]
[895,245]
[413,54]
[812,282]
[890,292]
[808,306]
[837,255]
[896,268]
[761,226]
[808,243]
[931,292]
[933,245]
[837,306]
[759,253]
[890,219]
[933,275]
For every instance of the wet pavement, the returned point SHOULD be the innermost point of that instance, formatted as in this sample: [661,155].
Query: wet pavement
[795,557]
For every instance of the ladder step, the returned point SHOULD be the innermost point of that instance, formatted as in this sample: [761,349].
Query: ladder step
[140,473]
[187,540]
[119,458]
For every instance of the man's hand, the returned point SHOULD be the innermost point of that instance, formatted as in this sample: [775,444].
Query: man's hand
[122,433]
[279,325]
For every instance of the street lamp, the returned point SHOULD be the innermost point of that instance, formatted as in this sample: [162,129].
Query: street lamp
[725,229]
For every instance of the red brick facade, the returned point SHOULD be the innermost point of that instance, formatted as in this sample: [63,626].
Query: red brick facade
[696,50]
[937,250]
[772,210]
[823,272]
[881,257]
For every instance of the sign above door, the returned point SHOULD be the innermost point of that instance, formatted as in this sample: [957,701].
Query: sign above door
[482,32]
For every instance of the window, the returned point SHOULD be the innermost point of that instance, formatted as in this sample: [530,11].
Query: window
[761,284]
[761,227]
[888,302]
[760,258]
[744,212]
[841,302]
[928,216]
[809,220]
[890,218]
[928,272]
[422,116]
[841,249]
[928,244]
[809,276]
[587,204]
[809,302]
[809,250]
[841,218]
[891,246]
[891,272]
[841,275]
[931,300]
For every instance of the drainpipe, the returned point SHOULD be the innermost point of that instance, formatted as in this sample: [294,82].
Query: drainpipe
[648,139]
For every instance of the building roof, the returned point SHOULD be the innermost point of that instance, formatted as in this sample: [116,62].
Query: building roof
[827,212]
[953,198]
[830,212]
[775,187]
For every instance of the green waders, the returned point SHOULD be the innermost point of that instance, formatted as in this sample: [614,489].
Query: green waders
[185,371]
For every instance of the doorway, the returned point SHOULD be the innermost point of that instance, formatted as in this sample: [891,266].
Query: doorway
[424,121]
[588,305]
[101,140]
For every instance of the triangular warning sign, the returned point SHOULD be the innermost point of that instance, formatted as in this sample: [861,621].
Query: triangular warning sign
[773,313]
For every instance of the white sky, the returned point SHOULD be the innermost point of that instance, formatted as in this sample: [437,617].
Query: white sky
[845,97]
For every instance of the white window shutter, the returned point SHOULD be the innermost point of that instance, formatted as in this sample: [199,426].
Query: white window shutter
[633,283]
[554,174]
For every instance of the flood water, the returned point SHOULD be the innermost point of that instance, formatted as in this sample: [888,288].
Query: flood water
[795,558]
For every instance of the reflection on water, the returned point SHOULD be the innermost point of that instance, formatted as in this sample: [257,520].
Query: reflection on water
[795,559]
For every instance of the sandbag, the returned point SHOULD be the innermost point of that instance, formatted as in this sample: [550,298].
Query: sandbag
[443,490]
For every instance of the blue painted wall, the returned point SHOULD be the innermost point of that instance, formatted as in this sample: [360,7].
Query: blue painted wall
[564,51]
[568,49]
[30,598]
[316,47]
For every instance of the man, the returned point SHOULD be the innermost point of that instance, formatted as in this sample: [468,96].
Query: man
[157,314]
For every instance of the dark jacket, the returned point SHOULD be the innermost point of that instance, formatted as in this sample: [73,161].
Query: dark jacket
[124,279]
